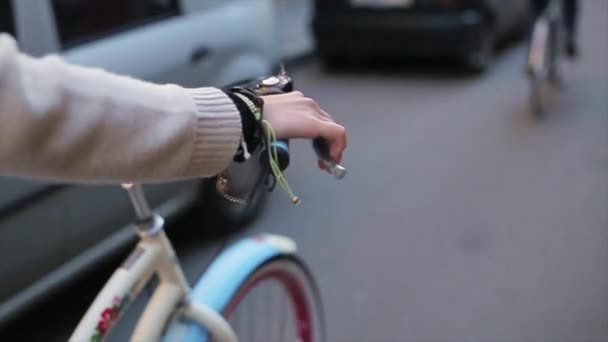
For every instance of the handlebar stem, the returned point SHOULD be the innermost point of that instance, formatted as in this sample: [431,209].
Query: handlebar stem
[139,202]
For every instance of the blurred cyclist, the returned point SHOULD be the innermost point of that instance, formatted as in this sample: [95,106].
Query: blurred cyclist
[570,22]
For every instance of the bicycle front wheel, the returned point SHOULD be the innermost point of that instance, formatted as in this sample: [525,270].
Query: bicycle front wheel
[279,301]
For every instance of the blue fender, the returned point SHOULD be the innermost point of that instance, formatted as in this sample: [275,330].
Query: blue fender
[224,276]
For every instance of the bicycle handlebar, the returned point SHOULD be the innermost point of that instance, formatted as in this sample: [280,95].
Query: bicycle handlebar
[281,84]
[278,84]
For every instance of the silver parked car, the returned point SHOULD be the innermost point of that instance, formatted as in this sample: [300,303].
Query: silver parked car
[51,233]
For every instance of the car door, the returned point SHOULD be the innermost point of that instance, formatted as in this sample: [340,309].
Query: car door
[25,233]
[236,37]
[15,190]
[294,17]
[164,41]
[188,42]
[44,227]
[141,38]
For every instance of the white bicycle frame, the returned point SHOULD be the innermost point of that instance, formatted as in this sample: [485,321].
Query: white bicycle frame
[154,254]
[173,298]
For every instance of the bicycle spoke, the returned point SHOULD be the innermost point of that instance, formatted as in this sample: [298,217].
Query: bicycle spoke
[261,303]
[238,325]
[267,297]
[250,316]
[282,313]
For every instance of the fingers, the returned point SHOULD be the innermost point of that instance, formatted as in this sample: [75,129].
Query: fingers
[306,102]
[316,108]
[322,165]
[293,115]
[311,104]
[335,135]
[326,116]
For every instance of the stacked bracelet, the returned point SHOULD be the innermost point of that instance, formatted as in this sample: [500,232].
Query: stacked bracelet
[250,107]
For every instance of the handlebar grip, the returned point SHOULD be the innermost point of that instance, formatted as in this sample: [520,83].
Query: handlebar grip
[282,146]
[322,150]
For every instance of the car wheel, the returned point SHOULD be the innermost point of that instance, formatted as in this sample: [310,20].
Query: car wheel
[478,60]
[222,216]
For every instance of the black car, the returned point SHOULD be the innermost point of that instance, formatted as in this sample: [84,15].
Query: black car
[465,29]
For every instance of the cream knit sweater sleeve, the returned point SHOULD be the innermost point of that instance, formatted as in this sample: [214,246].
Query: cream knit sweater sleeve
[69,123]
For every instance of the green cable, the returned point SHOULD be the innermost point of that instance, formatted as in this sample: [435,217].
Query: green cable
[273,158]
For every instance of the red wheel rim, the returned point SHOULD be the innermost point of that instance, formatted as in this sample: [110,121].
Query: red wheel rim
[296,293]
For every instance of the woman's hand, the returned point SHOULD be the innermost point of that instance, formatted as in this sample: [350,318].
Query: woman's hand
[292,116]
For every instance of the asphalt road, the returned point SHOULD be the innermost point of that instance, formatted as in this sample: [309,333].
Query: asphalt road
[462,218]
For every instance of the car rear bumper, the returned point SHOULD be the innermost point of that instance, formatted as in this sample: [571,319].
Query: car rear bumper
[398,32]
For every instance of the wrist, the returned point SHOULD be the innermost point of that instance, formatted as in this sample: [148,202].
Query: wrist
[250,107]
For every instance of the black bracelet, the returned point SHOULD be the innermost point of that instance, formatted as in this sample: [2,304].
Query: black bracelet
[250,107]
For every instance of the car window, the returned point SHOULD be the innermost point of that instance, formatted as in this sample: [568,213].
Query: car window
[6,17]
[79,21]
